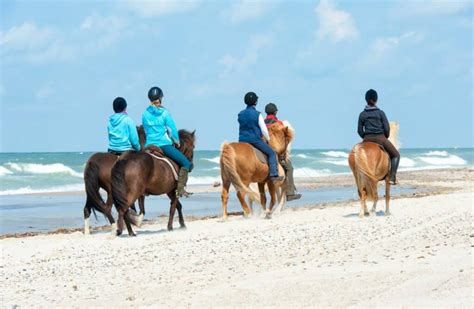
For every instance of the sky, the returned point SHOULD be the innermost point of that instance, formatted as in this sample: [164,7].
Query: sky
[64,62]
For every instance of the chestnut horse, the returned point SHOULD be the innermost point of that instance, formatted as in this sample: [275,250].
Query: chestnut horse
[370,163]
[138,174]
[240,167]
[97,174]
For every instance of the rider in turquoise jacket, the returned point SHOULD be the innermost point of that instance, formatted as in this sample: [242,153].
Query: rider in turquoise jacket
[161,131]
[122,131]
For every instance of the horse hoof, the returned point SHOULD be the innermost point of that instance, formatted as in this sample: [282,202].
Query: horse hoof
[170,228]
[87,232]
[118,233]
[268,216]
[387,213]
[132,235]
[183,227]
[361,215]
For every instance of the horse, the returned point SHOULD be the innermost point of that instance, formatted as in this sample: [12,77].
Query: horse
[370,163]
[98,174]
[240,167]
[141,173]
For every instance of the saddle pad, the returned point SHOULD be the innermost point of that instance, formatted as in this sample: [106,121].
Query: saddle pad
[168,161]
[260,155]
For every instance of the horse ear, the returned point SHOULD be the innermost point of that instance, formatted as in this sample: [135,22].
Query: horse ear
[193,133]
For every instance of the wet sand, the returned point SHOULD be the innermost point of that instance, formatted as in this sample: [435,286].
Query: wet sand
[317,255]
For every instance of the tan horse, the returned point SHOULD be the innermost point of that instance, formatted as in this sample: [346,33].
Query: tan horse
[370,164]
[240,167]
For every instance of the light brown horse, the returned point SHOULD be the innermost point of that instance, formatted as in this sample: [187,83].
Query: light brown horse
[240,167]
[98,174]
[370,164]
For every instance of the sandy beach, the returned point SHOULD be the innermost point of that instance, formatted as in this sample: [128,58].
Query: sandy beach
[318,255]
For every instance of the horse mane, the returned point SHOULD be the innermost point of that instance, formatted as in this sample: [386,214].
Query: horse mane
[394,133]
[187,140]
[278,133]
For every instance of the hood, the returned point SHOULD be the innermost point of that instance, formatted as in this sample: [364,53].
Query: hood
[370,108]
[116,119]
[155,111]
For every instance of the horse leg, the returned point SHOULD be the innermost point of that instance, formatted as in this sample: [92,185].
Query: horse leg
[119,225]
[108,205]
[87,214]
[387,196]
[272,191]
[173,203]
[263,197]
[180,214]
[241,197]
[363,206]
[129,226]
[141,204]
[225,198]
[374,206]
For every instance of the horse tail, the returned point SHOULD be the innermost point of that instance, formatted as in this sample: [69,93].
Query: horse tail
[91,179]
[365,178]
[120,192]
[229,170]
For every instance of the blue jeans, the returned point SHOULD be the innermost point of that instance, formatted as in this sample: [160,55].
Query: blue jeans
[177,156]
[272,159]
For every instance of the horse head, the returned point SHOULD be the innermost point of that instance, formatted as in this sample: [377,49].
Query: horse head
[280,138]
[141,136]
[187,143]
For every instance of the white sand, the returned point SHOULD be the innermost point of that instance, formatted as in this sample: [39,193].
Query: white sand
[419,256]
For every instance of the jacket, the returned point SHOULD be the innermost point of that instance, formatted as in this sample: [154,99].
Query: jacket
[122,132]
[159,126]
[372,121]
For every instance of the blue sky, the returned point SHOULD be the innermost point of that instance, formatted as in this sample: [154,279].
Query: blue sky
[63,63]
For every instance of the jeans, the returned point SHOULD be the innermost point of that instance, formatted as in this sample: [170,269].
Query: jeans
[272,159]
[382,140]
[177,156]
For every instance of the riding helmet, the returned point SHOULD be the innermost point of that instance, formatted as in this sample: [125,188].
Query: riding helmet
[371,96]
[251,98]
[271,109]
[119,104]
[155,93]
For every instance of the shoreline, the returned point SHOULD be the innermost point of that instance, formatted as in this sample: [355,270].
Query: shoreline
[411,178]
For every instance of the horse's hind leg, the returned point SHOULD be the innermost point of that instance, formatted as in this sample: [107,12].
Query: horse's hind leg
[87,214]
[263,197]
[129,226]
[141,204]
[387,196]
[225,197]
[120,221]
[108,205]
[174,201]
[363,206]
[246,209]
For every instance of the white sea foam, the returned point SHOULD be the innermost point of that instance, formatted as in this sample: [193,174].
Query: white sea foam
[307,172]
[303,156]
[204,180]
[29,190]
[213,160]
[337,162]
[5,171]
[335,154]
[437,153]
[406,162]
[439,160]
[33,168]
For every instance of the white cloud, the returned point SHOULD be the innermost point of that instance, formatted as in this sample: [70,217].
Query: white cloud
[239,64]
[26,36]
[152,8]
[244,10]
[335,25]
[384,45]
[432,8]
[44,92]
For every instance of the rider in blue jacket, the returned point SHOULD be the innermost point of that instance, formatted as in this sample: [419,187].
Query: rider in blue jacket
[122,131]
[161,131]
[252,130]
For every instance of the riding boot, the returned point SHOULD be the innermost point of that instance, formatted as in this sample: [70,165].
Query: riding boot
[182,180]
[393,170]
[291,195]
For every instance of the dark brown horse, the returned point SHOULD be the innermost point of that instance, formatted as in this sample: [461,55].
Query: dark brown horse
[138,174]
[98,174]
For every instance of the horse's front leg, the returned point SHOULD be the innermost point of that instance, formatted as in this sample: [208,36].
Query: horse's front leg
[108,207]
[173,203]
[263,196]
[272,191]
[141,204]
[180,214]
[87,214]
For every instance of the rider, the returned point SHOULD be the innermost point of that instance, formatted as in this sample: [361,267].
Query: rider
[122,131]
[252,129]
[271,110]
[160,130]
[374,127]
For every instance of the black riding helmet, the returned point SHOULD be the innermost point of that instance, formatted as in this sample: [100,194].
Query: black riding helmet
[119,104]
[271,109]
[371,96]
[250,98]
[155,93]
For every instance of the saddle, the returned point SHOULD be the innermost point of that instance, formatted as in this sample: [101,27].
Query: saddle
[157,153]
[260,155]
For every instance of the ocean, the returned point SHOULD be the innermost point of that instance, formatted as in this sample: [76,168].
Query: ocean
[44,191]
[28,173]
